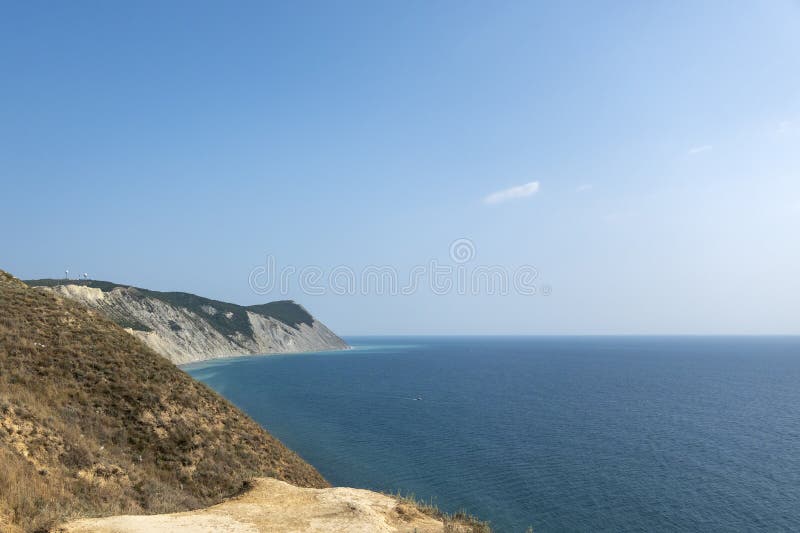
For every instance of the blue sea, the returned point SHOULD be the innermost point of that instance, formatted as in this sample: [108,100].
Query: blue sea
[559,433]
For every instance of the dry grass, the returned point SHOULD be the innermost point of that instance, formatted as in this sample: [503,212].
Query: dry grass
[94,423]
[459,522]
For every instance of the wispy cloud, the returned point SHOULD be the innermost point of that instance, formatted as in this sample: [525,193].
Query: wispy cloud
[784,126]
[520,191]
[586,187]
[694,150]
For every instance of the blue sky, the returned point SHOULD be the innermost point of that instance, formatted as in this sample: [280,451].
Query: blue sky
[654,148]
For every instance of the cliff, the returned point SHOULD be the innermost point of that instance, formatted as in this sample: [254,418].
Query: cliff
[93,422]
[187,328]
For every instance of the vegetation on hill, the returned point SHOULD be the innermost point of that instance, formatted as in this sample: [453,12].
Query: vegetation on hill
[92,422]
[458,522]
[286,311]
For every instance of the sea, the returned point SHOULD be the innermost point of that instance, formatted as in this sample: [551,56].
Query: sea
[554,433]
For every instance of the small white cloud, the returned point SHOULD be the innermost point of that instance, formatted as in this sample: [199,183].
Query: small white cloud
[520,191]
[784,127]
[586,187]
[700,149]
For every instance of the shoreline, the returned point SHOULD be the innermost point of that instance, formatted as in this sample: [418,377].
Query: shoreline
[233,358]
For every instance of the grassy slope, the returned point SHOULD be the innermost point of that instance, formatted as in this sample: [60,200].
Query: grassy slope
[286,311]
[92,422]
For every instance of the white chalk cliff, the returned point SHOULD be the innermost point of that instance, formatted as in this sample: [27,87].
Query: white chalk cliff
[187,328]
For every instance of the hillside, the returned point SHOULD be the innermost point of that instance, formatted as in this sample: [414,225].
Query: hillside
[94,423]
[185,327]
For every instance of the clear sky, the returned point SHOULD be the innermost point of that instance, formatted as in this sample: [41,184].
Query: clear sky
[644,157]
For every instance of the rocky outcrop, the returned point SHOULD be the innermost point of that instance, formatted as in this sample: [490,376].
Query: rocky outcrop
[273,505]
[187,328]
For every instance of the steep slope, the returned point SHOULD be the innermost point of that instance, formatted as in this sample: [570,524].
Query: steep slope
[186,328]
[93,422]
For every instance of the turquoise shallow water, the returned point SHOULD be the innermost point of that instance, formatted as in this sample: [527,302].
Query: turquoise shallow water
[561,433]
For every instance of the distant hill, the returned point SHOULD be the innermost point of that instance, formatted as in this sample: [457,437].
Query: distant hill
[186,327]
[93,422]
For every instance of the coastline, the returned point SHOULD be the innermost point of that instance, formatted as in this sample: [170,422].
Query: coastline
[235,358]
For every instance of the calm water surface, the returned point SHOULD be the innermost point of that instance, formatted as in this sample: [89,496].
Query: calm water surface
[561,433]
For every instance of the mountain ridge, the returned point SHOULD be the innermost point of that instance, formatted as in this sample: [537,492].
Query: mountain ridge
[187,328]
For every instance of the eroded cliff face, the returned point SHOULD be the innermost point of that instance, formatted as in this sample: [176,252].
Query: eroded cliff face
[200,331]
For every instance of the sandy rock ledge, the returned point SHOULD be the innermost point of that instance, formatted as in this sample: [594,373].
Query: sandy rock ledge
[273,505]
